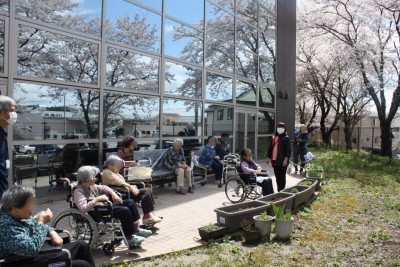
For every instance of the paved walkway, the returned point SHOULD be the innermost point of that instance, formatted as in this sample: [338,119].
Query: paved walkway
[183,215]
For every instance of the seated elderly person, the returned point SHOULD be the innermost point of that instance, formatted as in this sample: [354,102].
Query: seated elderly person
[253,170]
[112,176]
[126,151]
[24,235]
[211,159]
[174,160]
[87,194]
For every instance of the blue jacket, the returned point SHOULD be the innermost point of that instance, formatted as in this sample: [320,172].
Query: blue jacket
[21,237]
[208,155]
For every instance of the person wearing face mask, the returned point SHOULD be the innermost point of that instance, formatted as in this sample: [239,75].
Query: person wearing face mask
[211,159]
[8,116]
[278,154]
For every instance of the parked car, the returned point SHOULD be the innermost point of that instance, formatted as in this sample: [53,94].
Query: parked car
[48,149]
[26,149]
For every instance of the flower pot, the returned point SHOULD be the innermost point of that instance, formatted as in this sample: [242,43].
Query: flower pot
[301,197]
[312,183]
[251,236]
[280,199]
[231,216]
[206,233]
[264,226]
[283,229]
[318,179]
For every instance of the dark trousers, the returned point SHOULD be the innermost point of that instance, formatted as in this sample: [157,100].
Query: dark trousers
[267,187]
[217,168]
[127,213]
[280,175]
[146,199]
[298,151]
[80,254]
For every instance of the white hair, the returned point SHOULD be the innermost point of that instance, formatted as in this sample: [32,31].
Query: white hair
[6,102]
[178,140]
[112,160]
[86,173]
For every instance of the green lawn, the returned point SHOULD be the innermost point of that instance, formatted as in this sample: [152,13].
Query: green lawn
[355,221]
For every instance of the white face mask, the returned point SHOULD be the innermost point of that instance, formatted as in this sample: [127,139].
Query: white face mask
[280,130]
[13,118]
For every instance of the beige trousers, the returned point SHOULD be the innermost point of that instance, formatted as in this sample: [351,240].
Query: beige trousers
[181,174]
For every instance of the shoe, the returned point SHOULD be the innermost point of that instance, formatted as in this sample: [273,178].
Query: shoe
[151,220]
[190,190]
[135,241]
[144,233]
[180,192]
[219,185]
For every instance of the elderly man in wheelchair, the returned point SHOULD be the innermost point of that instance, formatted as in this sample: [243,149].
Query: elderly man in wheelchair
[23,237]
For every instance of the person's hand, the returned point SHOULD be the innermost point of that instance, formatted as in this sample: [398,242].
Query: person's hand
[298,140]
[285,162]
[55,239]
[134,190]
[44,216]
[102,198]
[116,198]
[183,166]
[217,157]
[258,170]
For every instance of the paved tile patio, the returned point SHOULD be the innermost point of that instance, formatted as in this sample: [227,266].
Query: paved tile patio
[183,215]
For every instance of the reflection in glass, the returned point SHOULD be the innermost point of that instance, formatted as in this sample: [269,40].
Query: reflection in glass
[4,5]
[267,20]
[47,112]
[219,54]
[215,125]
[246,93]
[263,143]
[246,37]
[183,80]
[267,71]
[131,70]
[228,5]
[267,96]
[134,26]
[131,115]
[181,118]
[220,23]
[2,36]
[183,42]
[155,4]
[266,122]
[219,88]
[188,11]
[245,131]
[83,16]
[267,47]
[246,64]
[246,10]
[48,55]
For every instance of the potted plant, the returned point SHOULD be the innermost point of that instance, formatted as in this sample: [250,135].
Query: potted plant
[312,183]
[211,231]
[301,193]
[314,171]
[283,222]
[264,223]
[280,199]
[250,233]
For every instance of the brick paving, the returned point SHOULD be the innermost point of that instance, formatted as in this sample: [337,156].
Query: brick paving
[183,215]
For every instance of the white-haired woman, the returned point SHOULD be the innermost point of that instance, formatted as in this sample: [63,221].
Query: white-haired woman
[174,160]
[87,194]
[111,176]
[21,234]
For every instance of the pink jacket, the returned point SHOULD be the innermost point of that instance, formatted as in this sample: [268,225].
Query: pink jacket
[83,197]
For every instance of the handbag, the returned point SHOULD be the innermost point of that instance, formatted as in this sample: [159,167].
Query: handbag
[309,157]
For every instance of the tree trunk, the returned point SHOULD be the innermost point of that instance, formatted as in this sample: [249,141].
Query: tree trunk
[347,135]
[386,139]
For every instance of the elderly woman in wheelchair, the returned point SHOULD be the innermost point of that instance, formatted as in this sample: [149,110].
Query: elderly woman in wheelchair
[24,235]
[112,177]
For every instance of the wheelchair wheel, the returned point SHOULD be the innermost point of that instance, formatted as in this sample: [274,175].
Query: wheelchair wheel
[108,248]
[235,190]
[80,226]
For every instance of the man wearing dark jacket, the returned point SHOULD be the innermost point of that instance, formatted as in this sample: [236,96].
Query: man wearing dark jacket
[222,148]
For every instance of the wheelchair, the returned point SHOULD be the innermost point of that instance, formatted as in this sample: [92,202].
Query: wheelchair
[242,186]
[22,261]
[230,163]
[94,227]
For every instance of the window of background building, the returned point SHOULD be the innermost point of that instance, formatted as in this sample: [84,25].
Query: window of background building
[220,115]
[214,126]
[229,115]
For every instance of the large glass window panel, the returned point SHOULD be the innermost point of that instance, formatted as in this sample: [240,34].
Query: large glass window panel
[83,16]
[126,69]
[245,130]
[131,115]
[48,112]
[246,64]
[262,147]
[2,42]
[183,80]
[220,55]
[267,48]
[267,96]
[191,11]
[220,23]
[267,71]
[267,20]
[183,42]
[155,4]
[266,122]
[219,88]
[247,37]
[228,5]
[246,10]
[181,118]
[53,56]
[4,5]
[215,125]
[246,93]
[132,25]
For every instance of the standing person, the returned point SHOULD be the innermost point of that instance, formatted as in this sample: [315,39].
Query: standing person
[300,148]
[126,152]
[222,148]
[210,159]
[279,153]
[8,116]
